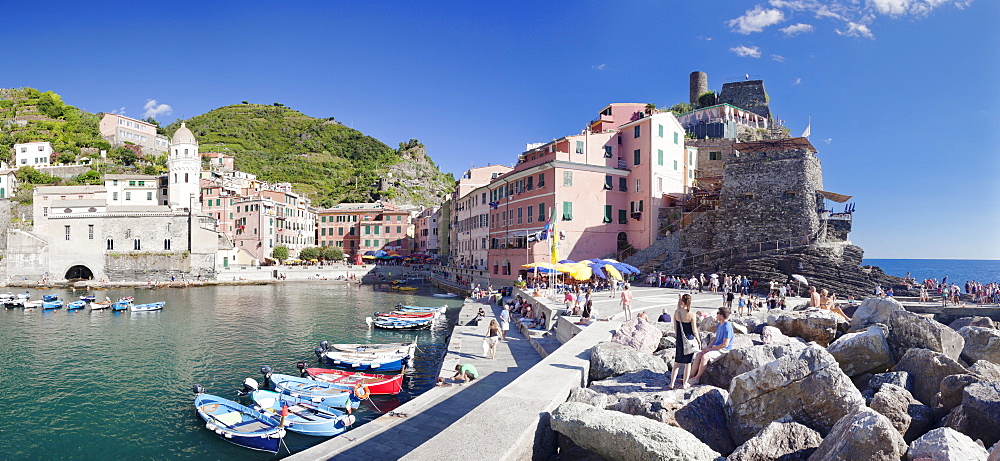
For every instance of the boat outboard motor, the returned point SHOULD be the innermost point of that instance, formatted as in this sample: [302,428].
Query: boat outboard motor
[325,345]
[319,353]
[266,371]
[303,373]
[249,385]
[197,389]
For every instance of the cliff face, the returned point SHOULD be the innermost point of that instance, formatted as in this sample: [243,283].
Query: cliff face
[415,179]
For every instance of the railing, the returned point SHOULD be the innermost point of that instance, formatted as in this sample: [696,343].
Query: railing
[750,249]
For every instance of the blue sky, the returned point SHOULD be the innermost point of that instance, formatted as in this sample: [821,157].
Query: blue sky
[902,93]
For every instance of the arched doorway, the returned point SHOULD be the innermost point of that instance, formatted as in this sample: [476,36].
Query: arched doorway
[79,272]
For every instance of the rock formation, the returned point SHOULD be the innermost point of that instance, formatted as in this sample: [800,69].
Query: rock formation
[862,434]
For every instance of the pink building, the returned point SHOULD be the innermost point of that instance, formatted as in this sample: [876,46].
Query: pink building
[603,189]
[470,210]
[220,161]
[358,228]
[425,232]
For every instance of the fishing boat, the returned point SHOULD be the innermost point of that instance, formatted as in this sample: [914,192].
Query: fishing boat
[57,304]
[126,299]
[317,391]
[238,424]
[300,415]
[376,384]
[76,305]
[408,347]
[407,315]
[88,298]
[444,295]
[405,288]
[98,305]
[389,323]
[50,297]
[369,363]
[147,307]
[120,305]
[404,308]
[32,304]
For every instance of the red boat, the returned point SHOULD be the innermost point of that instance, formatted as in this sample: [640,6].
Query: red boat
[406,315]
[376,384]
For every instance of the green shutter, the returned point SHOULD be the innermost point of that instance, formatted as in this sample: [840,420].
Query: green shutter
[661,131]
[636,156]
[675,138]
[659,157]
[567,214]
[622,217]
[607,213]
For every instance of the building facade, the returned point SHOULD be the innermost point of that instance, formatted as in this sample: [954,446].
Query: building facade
[33,154]
[119,129]
[360,228]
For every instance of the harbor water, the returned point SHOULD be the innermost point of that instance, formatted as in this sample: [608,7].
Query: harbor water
[117,385]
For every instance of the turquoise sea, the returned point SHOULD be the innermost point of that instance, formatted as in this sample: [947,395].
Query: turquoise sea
[105,385]
[958,271]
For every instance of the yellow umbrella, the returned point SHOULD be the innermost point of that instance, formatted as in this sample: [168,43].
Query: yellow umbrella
[543,265]
[612,272]
[581,272]
[610,261]
[563,267]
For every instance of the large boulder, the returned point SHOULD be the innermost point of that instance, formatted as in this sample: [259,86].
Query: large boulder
[945,444]
[616,435]
[984,322]
[908,330]
[772,335]
[667,343]
[910,417]
[862,434]
[952,391]
[988,370]
[994,453]
[643,382]
[811,325]
[807,386]
[779,440]
[874,310]
[866,351]
[980,344]
[639,335]
[899,378]
[699,410]
[588,396]
[613,359]
[979,414]
[927,368]
[720,373]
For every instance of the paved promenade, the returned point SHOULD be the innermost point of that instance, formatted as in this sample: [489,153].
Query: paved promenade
[394,435]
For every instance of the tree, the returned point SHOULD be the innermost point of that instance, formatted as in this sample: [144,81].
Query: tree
[681,108]
[90,177]
[65,157]
[280,253]
[309,253]
[332,253]
[707,99]
[29,175]
[152,121]
[124,154]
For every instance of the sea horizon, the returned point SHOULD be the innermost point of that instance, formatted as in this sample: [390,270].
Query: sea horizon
[958,271]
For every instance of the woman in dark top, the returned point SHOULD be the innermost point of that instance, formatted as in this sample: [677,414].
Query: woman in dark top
[684,327]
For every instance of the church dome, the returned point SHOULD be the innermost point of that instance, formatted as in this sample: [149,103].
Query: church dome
[183,135]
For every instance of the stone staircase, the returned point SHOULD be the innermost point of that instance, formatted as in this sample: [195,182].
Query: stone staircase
[652,258]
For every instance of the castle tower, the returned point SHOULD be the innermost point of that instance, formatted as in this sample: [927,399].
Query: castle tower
[699,86]
[183,168]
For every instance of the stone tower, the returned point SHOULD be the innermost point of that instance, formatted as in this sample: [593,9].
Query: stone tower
[699,85]
[184,166]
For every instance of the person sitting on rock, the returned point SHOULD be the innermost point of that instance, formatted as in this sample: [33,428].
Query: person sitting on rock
[830,303]
[723,343]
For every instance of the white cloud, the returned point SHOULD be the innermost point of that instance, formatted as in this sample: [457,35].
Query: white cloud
[777,57]
[796,29]
[153,109]
[756,20]
[856,30]
[892,7]
[797,81]
[119,111]
[828,140]
[746,51]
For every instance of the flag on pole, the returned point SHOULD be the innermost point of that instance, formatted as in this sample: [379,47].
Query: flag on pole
[808,131]
[555,238]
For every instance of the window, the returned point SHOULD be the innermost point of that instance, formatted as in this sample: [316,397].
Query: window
[660,130]
[67,232]
[675,165]
[520,215]
[377,229]
[567,211]
[715,155]
[608,182]
[659,157]
[340,231]
[607,214]
[567,178]
[579,147]
[149,196]
[636,157]
[607,152]
[166,244]
[622,217]
[531,213]
[90,232]
[114,182]
[131,183]
[541,179]
[637,188]
[541,212]
[185,175]
[111,244]
[114,196]
[531,186]
[659,184]
[136,244]
[622,185]
[636,131]
[676,138]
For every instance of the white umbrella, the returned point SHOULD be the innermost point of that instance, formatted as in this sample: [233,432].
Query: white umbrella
[715,276]
[800,278]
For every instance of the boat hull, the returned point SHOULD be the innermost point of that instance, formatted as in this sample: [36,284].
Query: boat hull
[304,416]
[379,365]
[307,388]
[238,424]
[401,324]
[376,384]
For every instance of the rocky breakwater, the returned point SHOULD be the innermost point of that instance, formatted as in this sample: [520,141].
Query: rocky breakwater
[795,386]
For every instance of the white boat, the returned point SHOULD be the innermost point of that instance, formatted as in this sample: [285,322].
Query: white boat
[444,295]
[147,307]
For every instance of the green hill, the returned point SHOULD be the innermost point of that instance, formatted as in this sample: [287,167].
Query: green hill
[28,115]
[320,157]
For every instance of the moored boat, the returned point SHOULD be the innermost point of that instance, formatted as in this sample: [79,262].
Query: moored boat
[389,323]
[98,305]
[88,298]
[50,297]
[76,305]
[326,393]
[300,414]
[147,307]
[376,384]
[373,363]
[444,295]
[388,347]
[121,305]
[404,308]
[407,315]
[238,424]
[57,304]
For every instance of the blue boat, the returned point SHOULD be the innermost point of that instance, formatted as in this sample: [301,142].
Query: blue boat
[303,415]
[50,297]
[57,304]
[76,305]
[147,307]
[317,391]
[238,424]
[121,305]
[393,323]
[367,363]
[88,298]
[404,308]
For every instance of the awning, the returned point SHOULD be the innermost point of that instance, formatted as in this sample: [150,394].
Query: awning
[839,198]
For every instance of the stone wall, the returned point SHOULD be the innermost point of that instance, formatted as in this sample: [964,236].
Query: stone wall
[65,171]
[706,166]
[749,95]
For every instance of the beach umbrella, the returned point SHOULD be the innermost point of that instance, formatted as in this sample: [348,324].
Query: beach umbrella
[612,261]
[799,279]
[598,272]
[543,265]
[567,261]
[714,276]
[633,269]
[612,272]
[581,272]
